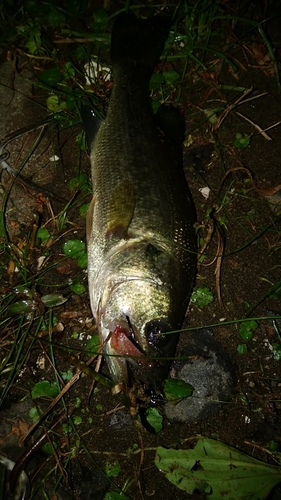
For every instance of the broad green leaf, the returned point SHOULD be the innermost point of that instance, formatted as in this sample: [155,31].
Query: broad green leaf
[66,428]
[53,299]
[66,376]
[74,248]
[77,420]
[202,297]
[273,446]
[24,291]
[43,234]
[93,345]
[156,81]
[51,77]
[241,141]
[81,53]
[55,104]
[78,403]
[242,348]
[175,390]
[82,260]
[69,71]
[212,116]
[48,449]
[35,413]
[45,388]
[21,307]
[171,77]
[77,287]
[70,102]
[83,210]
[34,43]
[154,419]
[81,181]
[218,470]
[246,335]
[246,330]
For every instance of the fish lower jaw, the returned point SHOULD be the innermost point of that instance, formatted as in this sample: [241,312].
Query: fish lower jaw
[124,358]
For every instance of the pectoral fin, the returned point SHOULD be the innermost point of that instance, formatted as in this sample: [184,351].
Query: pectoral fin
[121,209]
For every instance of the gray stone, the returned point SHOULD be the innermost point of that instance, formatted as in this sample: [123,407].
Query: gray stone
[210,372]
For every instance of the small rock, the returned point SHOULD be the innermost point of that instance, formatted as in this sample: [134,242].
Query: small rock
[212,375]
[120,420]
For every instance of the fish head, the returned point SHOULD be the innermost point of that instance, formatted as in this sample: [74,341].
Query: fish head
[136,321]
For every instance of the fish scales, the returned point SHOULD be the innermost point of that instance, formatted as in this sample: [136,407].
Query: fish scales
[141,240]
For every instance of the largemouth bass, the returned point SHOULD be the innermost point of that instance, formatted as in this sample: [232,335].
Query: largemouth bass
[141,240]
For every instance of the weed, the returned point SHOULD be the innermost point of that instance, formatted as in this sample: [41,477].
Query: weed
[217,470]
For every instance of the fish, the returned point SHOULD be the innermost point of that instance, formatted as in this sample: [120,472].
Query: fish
[140,225]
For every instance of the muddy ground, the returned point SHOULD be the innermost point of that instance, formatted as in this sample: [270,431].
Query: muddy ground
[243,220]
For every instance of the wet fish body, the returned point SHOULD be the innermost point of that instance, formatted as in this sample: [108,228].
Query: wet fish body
[141,241]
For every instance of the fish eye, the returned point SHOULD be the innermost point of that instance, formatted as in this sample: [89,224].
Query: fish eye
[153,331]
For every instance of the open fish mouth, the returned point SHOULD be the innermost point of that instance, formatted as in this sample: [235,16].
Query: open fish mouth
[123,341]
[134,364]
[140,363]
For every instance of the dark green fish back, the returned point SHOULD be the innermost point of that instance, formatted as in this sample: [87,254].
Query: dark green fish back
[137,44]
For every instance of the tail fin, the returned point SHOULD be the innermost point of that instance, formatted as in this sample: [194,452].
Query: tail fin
[138,43]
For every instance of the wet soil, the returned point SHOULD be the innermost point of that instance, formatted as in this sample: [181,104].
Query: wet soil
[242,222]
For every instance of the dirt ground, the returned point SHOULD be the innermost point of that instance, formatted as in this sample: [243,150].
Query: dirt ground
[243,217]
